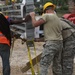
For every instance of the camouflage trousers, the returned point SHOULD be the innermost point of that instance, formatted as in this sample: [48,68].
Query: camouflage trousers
[51,53]
[68,55]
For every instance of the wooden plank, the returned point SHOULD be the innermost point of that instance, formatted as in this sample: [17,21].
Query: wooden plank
[28,66]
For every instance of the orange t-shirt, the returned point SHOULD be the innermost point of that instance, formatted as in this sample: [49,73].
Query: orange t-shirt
[3,39]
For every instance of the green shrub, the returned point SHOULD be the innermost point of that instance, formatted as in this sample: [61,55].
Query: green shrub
[64,7]
[38,10]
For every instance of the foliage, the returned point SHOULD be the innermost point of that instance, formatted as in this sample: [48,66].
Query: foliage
[64,7]
[62,10]
[39,11]
[56,2]
[61,4]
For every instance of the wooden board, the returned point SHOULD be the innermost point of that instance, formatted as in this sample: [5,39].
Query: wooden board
[27,66]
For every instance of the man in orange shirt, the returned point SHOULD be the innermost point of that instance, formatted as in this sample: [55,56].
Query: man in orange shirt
[5,41]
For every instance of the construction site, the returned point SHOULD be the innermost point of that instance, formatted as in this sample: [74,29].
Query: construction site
[25,56]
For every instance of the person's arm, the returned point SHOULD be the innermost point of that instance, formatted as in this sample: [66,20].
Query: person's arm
[36,23]
[16,21]
[11,21]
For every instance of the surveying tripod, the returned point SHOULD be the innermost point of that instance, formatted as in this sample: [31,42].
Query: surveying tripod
[30,37]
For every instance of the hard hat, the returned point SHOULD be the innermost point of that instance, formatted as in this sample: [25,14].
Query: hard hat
[13,0]
[48,4]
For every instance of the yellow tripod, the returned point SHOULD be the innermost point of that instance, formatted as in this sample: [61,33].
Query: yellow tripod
[31,44]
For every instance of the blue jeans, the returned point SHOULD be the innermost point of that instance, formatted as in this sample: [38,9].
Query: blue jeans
[5,55]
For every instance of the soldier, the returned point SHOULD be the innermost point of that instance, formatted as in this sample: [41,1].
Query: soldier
[67,55]
[68,48]
[53,38]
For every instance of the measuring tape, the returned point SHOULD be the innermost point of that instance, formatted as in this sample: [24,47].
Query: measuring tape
[29,44]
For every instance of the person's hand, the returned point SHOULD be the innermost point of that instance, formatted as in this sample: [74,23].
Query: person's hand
[32,14]
[27,18]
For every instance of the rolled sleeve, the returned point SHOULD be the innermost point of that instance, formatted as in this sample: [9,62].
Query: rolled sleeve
[44,17]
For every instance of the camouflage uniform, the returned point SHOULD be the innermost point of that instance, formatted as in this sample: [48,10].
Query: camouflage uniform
[52,52]
[68,55]
[53,45]
[68,49]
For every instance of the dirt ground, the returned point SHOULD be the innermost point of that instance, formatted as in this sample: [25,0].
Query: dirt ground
[19,58]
